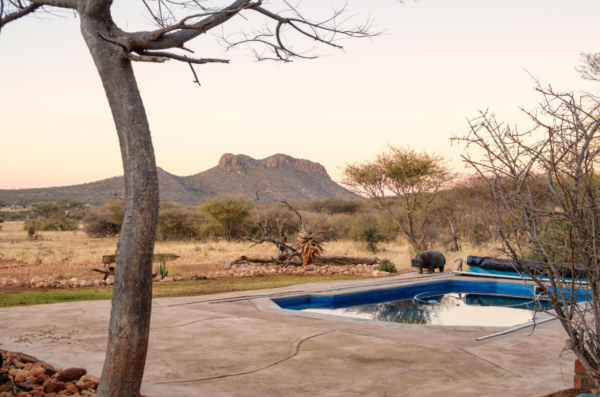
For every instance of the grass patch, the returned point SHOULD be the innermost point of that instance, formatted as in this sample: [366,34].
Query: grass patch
[179,288]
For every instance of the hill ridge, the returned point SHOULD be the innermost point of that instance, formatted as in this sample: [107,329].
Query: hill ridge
[277,176]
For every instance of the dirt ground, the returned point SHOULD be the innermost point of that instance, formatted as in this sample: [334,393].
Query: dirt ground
[73,254]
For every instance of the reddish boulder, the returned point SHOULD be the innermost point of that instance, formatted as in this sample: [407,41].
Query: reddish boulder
[71,374]
[49,370]
[40,380]
[52,387]
[72,388]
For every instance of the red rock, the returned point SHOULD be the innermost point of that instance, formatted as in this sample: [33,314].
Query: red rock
[39,394]
[40,380]
[52,387]
[35,372]
[72,388]
[71,374]
[88,382]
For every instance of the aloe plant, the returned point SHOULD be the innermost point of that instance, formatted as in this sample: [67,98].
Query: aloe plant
[162,268]
[311,243]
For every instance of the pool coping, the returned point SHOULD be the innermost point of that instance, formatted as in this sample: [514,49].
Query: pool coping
[267,304]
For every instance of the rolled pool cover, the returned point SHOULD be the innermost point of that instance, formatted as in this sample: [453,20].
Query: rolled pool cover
[537,268]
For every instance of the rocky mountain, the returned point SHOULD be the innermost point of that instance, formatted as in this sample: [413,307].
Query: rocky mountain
[276,177]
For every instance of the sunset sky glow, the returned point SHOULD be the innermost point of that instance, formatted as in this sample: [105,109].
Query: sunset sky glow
[437,64]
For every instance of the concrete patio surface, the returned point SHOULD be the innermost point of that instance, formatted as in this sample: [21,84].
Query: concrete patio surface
[202,348]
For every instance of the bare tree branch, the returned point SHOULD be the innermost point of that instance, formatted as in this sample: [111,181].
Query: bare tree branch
[11,14]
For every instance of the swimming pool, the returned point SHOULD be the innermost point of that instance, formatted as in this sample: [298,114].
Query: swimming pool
[448,303]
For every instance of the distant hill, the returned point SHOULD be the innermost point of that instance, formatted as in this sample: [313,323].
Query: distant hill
[277,177]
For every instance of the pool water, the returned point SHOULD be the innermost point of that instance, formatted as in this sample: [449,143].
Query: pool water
[449,309]
[449,303]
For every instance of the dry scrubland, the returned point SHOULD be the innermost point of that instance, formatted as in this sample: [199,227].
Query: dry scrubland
[64,255]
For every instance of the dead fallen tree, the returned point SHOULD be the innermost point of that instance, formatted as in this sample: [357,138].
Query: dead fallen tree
[318,261]
[308,251]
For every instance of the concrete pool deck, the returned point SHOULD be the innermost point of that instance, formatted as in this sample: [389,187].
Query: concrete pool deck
[232,348]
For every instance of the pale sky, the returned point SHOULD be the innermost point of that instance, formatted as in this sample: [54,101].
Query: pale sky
[437,64]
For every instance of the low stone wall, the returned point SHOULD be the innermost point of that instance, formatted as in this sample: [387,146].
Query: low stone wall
[227,270]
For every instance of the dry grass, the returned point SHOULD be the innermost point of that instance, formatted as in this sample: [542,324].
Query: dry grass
[74,254]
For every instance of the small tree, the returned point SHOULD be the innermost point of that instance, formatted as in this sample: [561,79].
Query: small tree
[231,212]
[69,210]
[31,225]
[372,237]
[406,177]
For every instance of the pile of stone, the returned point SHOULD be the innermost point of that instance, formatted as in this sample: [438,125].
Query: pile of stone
[23,375]
[38,282]
[9,282]
[227,270]
[252,270]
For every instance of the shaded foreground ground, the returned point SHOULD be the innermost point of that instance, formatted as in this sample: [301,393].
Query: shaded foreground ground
[201,347]
[25,296]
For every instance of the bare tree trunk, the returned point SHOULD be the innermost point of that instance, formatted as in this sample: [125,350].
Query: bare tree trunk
[132,292]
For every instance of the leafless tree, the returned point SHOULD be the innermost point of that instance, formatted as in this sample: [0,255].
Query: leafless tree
[546,195]
[590,66]
[113,49]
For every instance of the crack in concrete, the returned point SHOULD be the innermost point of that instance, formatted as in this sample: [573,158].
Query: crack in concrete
[490,362]
[246,372]
[193,322]
[252,303]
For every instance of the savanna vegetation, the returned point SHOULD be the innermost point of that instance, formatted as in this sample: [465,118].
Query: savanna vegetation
[446,219]
[420,203]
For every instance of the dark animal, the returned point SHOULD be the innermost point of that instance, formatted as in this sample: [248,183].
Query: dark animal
[430,260]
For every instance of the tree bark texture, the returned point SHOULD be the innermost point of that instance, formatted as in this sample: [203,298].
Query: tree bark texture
[132,292]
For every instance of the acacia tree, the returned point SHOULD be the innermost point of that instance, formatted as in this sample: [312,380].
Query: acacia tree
[113,49]
[231,212]
[411,178]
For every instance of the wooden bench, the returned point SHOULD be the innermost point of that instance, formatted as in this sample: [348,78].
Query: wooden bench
[107,260]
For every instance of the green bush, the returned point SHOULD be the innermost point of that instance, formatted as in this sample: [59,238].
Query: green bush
[105,221]
[232,213]
[386,265]
[372,237]
[180,222]
[31,226]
